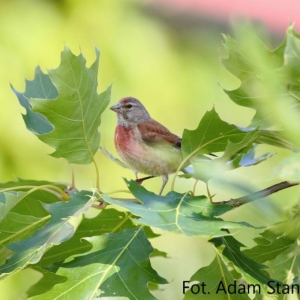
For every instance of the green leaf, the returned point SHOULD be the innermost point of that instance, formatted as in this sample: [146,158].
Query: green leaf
[190,215]
[32,203]
[278,247]
[269,246]
[211,135]
[29,203]
[250,269]
[233,149]
[47,282]
[215,135]
[4,254]
[291,61]
[19,182]
[16,227]
[108,221]
[214,280]
[75,113]
[64,216]
[40,87]
[269,79]
[8,201]
[251,66]
[286,265]
[117,266]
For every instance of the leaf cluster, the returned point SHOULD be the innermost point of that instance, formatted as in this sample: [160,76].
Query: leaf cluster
[87,244]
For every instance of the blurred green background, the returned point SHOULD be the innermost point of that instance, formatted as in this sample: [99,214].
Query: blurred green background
[173,67]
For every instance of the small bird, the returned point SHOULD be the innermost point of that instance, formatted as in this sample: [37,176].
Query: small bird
[144,144]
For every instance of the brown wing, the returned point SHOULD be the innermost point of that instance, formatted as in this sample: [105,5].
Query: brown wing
[152,131]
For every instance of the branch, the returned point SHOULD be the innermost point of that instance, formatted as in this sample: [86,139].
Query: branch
[257,195]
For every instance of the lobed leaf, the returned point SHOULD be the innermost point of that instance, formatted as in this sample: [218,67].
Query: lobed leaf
[57,230]
[183,213]
[278,248]
[47,282]
[73,112]
[8,201]
[252,271]
[268,247]
[16,227]
[118,265]
[215,135]
[216,278]
[19,183]
[40,87]
[286,265]
[108,221]
[269,79]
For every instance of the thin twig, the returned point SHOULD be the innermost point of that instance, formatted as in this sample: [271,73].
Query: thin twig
[257,195]
[140,180]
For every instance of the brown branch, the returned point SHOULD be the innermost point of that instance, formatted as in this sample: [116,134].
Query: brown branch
[140,180]
[257,195]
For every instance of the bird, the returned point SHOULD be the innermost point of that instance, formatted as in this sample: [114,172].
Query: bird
[145,145]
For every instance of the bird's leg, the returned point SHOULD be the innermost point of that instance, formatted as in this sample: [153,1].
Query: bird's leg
[165,180]
[140,181]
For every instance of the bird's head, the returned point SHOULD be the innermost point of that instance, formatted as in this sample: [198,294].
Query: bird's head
[130,112]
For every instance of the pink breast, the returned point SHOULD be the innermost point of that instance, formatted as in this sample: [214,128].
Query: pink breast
[123,138]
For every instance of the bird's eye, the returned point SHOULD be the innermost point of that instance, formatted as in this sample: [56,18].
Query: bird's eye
[128,106]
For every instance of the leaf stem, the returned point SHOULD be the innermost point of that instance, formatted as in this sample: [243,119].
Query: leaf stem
[49,188]
[194,187]
[97,174]
[208,193]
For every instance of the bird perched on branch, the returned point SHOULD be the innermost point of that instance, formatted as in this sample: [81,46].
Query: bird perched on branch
[144,144]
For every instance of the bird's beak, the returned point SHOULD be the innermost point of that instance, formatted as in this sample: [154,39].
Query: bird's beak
[115,108]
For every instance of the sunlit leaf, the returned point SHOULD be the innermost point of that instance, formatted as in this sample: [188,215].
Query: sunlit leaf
[214,280]
[117,265]
[269,79]
[251,67]
[74,112]
[182,213]
[252,271]
[26,206]
[19,182]
[8,201]
[286,265]
[57,230]
[30,202]
[269,246]
[215,135]
[16,227]
[46,283]
[278,247]
[108,221]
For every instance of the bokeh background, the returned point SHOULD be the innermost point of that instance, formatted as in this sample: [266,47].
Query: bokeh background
[165,53]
